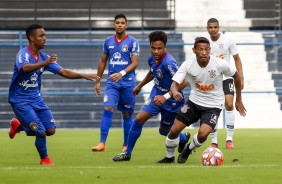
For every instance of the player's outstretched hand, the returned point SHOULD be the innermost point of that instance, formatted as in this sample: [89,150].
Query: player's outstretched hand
[240,107]
[91,77]
[52,59]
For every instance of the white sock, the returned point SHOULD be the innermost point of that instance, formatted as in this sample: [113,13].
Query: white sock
[195,143]
[214,135]
[171,144]
[230,121]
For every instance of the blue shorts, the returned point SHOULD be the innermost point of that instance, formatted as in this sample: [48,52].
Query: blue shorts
[121,98]
[168,110]
[35,118]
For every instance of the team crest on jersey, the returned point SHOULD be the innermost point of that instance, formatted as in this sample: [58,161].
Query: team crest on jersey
[221,46]
[184,108]
[105,98]
[124,48]
[212,73]
[33,126]
[159,73]
[214,118]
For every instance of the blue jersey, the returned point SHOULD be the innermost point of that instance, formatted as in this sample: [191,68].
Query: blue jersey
[163,72]
[119,57]
[25,87]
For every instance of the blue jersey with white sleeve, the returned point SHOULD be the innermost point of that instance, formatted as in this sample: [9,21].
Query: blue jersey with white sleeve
[25,87]
[163,72]
[119,57]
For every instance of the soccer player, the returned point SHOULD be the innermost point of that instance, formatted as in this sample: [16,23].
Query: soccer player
[162,68]
[33,115]
[204,72]
[121,51]
[223,46]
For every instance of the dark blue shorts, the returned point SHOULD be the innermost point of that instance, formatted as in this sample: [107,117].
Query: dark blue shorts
[35,118]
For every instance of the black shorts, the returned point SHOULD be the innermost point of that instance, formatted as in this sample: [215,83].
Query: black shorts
[190,113]
[228,87]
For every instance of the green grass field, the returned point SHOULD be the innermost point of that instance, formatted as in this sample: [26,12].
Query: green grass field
[256,159]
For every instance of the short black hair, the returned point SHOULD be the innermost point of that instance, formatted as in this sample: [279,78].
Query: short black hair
[201,40]
[158,36]
[31,29]
[212,20]
[118,16]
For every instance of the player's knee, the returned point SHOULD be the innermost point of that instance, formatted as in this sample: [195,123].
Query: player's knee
[229,105]
[50,132]
[109,108]
[126,115]
[42,135]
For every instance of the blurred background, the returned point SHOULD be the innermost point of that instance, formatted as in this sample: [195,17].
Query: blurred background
[76,31]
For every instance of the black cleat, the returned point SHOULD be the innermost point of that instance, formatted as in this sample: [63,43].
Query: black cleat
[122,157]
[165,160]
[183,156]
[182,144]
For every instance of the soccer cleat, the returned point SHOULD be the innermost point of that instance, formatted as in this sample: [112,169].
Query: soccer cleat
[46,161]
[214,145]
[14,128]
[124,156]
[166,160]
[123,148]
[182,144]
[183,156]
[229,144]
[100,147]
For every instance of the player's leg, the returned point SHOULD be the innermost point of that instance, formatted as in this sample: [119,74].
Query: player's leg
[208,121]
[230,113]
[15,125]
[134,134]
[111,98]
[213,135]
[167,120]
[126,106]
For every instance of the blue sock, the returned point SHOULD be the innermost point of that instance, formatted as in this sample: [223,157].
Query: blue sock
[127,122]
[106,123]
[134,134]
[182,137]
[40,144]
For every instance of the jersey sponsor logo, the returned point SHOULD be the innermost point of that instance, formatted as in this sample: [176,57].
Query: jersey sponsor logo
[184,108]
[116,60]
[171,70]
[33,83]
[33,126]
[124,48]
[20,59]
[159,73]
[212,73]
[214,118]
[134,46]
[204,87]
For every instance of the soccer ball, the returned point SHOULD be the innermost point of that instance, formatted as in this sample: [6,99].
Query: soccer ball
[212,157]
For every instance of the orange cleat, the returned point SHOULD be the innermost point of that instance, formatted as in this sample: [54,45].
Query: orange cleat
[100,147]
[124,148]
[14,128]
[46,161]
[229,145]
[214,145]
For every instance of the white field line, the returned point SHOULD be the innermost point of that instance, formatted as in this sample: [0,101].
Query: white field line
[138,167]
